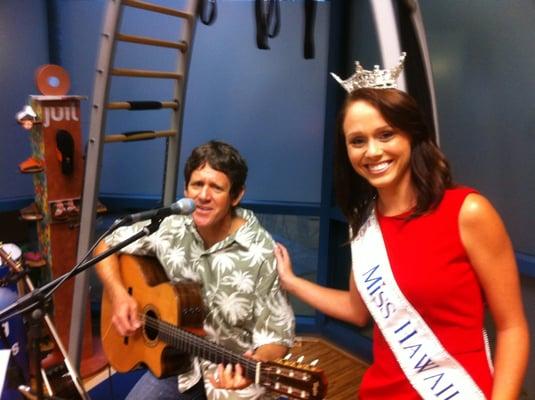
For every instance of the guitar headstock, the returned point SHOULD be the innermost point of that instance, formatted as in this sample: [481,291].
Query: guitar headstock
[9,254]
[294,379]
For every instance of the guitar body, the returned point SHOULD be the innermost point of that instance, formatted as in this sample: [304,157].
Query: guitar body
[179,304]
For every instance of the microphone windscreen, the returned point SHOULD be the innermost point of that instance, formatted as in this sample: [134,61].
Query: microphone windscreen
[184,206]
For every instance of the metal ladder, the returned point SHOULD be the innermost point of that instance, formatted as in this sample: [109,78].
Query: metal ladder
[105,70]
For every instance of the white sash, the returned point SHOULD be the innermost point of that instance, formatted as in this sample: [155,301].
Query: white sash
[430,369]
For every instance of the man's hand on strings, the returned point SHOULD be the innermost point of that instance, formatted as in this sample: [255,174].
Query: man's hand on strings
[125,317]
[231,377]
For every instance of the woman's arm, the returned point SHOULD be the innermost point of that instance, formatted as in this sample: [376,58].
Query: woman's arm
[341,304]
[491,253]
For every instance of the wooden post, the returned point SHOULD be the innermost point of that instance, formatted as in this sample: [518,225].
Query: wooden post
[57,142]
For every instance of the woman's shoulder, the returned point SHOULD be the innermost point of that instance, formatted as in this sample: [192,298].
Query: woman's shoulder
[459,191]
[454,198]
[481,226]
[470,201]
[477,210]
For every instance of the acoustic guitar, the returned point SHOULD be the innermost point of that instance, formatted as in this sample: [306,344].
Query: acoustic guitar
[165,342]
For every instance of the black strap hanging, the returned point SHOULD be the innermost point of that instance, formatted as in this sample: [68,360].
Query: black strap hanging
[310,17]
[273,18]
[208,11]
[267,24]
[261,26]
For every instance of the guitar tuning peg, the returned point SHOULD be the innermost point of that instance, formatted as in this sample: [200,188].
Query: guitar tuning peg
[315,362]
[287,357]
[300,359]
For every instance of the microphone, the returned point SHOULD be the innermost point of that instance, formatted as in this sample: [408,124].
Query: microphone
[181,207]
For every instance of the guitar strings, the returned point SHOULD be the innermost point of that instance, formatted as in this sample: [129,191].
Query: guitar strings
[184,340]
[108,329]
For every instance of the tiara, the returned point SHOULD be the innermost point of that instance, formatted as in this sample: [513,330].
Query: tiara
[376,79]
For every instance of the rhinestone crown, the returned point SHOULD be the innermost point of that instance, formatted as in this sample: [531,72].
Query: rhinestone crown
[377,78]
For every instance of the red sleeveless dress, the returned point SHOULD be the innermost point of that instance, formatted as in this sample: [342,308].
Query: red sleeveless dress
[433,272]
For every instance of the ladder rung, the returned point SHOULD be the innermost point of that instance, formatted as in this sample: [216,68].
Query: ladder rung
[156,8]
[145,73]
[182,45]
[141,105]
[121,137]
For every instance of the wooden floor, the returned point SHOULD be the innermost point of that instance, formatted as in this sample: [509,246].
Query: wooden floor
[343,370]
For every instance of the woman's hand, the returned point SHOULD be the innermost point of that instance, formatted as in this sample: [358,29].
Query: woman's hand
[284,265]
[346,305]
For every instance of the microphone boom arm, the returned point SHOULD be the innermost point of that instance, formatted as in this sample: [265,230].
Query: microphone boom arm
[30,300]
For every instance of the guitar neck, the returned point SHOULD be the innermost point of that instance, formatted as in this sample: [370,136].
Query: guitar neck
[197,346]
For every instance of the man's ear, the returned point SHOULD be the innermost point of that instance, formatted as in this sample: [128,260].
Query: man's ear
[238,198]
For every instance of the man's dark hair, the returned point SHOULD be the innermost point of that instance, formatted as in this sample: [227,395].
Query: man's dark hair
[221,157]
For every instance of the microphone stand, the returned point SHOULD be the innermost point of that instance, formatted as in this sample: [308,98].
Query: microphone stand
[34,335]
[34,303]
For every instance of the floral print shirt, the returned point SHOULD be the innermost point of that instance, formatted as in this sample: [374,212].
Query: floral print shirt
[246,307]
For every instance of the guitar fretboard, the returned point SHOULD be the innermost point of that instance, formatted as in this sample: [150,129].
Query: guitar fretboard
[195,345]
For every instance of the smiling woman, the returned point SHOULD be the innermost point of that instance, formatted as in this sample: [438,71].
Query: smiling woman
[377,151]
[416,238]
[401,137]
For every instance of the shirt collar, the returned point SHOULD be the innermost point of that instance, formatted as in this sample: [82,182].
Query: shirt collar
[244,236]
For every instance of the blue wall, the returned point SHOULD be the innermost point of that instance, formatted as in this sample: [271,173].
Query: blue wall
[23,47]
[483,65]
[236,93]
[271,103]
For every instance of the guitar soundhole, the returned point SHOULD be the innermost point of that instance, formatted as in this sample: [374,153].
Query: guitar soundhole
[151,325]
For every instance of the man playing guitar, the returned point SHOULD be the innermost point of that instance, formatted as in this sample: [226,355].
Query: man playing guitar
[225,249]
